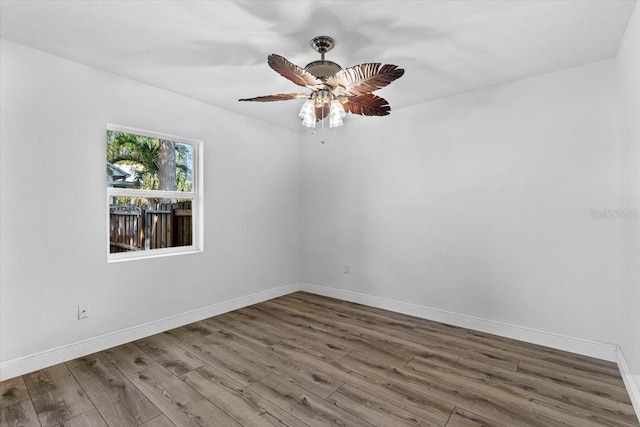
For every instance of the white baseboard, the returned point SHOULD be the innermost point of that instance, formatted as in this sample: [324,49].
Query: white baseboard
[598,350]
[631,382]
[23,365]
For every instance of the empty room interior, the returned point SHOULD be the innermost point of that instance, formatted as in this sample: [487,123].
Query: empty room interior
[387,213]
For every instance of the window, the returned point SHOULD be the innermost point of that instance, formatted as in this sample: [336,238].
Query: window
[154,194]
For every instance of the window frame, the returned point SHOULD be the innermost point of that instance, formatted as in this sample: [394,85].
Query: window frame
[195,195]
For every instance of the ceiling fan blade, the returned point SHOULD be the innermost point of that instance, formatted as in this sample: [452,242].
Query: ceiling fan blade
[278,97]
[291,71]
[364,78]
[367,105]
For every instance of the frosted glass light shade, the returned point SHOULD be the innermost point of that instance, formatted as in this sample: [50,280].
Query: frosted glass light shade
[308,114]
[336,114]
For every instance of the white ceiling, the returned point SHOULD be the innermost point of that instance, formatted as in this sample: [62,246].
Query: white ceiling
[215,51]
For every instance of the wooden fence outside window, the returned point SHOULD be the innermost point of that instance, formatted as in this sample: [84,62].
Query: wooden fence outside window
[155,226]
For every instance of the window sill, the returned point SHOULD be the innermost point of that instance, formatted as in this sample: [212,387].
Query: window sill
[154,253]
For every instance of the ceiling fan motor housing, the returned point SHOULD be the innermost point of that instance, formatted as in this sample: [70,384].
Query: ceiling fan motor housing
[323,68]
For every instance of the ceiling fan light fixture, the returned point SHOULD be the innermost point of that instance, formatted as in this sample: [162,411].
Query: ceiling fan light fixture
[308,114]
[321,98]
[336,114]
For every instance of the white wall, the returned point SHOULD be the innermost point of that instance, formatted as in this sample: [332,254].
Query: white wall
[628,78]
[53,211]
[478,204]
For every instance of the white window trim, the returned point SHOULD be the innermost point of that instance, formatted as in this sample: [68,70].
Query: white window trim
[196,196]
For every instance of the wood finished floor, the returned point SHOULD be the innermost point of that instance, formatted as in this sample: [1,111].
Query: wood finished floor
[304,359]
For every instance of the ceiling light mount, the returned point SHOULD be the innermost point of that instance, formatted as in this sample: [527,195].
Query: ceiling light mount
[322,44]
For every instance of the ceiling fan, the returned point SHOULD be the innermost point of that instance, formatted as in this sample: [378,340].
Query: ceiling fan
[334,90]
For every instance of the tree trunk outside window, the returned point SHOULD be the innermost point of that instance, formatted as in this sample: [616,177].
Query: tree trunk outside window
[167,166]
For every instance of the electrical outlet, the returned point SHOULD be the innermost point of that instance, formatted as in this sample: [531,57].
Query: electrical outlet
[347,269]
[83,311]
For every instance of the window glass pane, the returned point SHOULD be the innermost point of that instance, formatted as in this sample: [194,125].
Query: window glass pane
[148,163]
[138,224]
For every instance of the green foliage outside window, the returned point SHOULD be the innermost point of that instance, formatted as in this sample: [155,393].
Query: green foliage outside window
[159,164]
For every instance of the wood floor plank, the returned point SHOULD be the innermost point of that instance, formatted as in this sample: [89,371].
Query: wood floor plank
[578,369]
[311,379]
[238,325]
[116,399]
[603,371]
[421,405]
[374,410]
[611,412]
[320,343]
[169,355]
[351,312]
[56,395]
[321,384]
[21,414]
[371,321]
[88,419]
[13,391]
[246,316]
[180,403]
[534,349]
[344,337]
[377,314]
[160,421]
[306,406]
[129,358]
[460,345]
[245,406]
[397,341]
[241,369]
[305,299]
[495,352]
[463,418]
[298,323]
[493,409]
[200,328]
[575,382]
[517,395]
